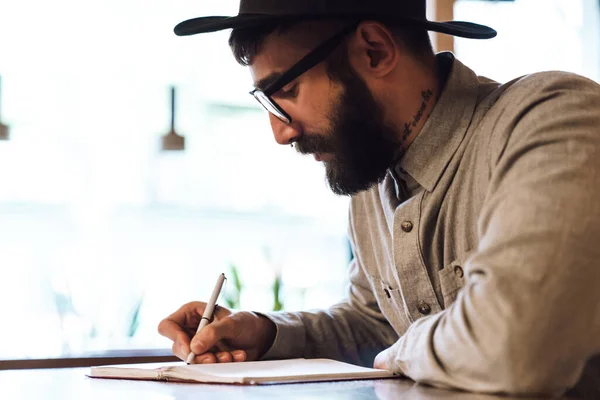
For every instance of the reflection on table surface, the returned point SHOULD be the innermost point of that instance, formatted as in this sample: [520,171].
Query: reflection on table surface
[66,384]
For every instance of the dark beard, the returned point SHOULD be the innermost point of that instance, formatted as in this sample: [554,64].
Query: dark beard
[362,144]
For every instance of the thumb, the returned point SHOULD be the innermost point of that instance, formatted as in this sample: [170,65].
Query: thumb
[212,334]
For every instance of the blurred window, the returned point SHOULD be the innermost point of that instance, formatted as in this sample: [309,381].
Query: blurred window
[102,234]
[533,35]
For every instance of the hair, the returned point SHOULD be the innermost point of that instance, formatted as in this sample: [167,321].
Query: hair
[246,43]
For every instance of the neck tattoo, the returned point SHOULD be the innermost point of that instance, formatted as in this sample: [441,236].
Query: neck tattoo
[426,96]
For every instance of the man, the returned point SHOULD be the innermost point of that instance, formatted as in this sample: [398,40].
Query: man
[475,211]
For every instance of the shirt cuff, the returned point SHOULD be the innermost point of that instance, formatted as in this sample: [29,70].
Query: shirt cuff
[290,338]
[412,352]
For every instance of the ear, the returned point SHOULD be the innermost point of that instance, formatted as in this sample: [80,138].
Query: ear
[373,50]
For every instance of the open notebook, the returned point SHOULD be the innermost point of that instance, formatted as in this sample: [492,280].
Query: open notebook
[245,373]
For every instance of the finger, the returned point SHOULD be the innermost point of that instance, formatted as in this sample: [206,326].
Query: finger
[177,352]
[206,358]
[181,319]
[239,355]
[224,357]
[181,346]
[213,334]
[170,329]
[220,312]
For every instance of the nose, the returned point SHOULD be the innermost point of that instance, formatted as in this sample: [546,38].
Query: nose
[284,133]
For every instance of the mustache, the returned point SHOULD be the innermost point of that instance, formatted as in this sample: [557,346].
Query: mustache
[312,143]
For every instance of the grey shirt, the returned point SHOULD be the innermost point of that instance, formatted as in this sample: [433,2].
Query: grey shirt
[477,259]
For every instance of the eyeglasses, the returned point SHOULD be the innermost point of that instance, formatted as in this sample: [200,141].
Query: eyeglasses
[309,61]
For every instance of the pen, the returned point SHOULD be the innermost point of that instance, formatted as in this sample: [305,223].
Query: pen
[208,312]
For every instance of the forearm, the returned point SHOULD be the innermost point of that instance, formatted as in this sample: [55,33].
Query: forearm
[340,333]
[506,347]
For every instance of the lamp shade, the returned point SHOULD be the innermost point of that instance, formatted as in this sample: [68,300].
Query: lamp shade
[172,141]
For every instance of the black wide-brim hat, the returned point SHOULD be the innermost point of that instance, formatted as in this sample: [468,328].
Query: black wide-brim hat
[255,13]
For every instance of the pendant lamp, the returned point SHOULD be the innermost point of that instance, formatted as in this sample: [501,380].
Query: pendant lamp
[173,141]
[3,128]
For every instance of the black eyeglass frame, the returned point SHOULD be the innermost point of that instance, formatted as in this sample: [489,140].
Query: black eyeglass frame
[318,55]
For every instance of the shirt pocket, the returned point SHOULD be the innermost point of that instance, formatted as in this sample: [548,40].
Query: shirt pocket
[452,279]
[391,304]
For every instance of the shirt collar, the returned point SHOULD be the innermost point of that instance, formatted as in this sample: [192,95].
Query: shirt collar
[429,154]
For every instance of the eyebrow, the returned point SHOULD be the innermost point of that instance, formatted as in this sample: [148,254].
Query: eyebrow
[267,81]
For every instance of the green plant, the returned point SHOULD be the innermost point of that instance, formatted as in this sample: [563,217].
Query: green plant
[134,323]
[232,298]
[278,282]
[277,304]
[234,287]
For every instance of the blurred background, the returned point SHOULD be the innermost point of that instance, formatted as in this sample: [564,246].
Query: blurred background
[103,233]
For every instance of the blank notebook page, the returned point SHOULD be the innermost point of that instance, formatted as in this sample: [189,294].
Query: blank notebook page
[278,368]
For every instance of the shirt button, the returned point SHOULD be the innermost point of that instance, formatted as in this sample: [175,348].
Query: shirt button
[407,226]
[424,308]
[459,271]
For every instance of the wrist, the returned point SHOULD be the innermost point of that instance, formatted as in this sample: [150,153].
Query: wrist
[270,332]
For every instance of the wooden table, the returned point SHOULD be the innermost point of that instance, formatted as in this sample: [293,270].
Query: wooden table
[71,383]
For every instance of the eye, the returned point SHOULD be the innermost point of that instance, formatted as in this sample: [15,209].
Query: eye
[289,91]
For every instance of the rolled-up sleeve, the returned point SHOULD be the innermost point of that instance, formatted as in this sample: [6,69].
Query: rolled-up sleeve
[528,317]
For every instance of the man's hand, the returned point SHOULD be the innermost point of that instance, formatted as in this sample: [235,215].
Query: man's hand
[380,361]
[240,336]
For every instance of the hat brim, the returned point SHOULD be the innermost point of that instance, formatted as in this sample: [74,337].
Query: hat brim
[212,24]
